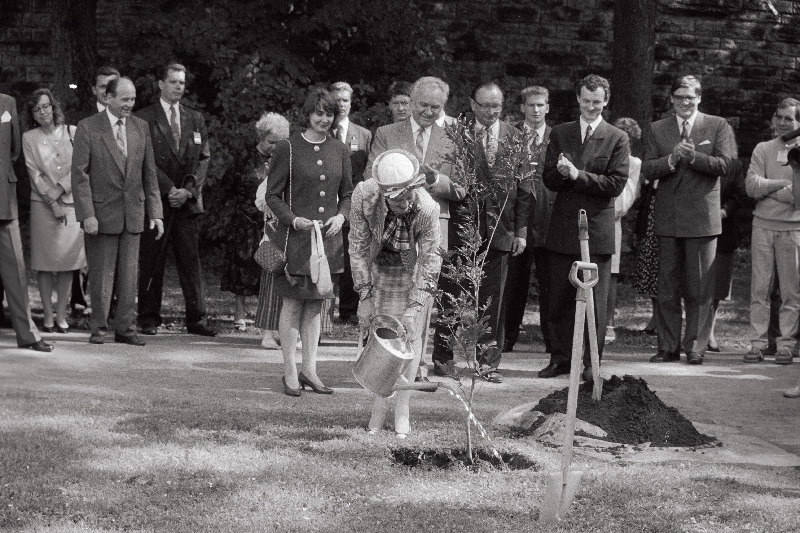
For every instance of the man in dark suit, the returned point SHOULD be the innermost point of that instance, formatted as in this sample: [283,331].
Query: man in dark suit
[180,145]
[687,153]
[114,182]
[12,260]
[103,75]
[535,106]
[358,141]
[587,165]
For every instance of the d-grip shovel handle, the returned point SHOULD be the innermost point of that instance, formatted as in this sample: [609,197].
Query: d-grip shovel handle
[591,268]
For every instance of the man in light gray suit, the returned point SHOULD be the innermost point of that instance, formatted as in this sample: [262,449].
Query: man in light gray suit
[687,153]
[12,262]
[114,181]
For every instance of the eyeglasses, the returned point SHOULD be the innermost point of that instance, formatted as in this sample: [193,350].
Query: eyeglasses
[489,107]
[44,108]
[683,98]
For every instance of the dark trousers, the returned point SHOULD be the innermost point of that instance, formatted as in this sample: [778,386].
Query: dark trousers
[516,294]
[562,315]
[78,289]
[493,286]
[684,268]
[182,237]
[348,297]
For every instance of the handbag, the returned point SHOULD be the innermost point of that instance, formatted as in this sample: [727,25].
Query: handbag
[268,254]
[318,264]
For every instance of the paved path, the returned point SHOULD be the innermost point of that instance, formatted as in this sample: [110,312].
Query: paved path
[724,391]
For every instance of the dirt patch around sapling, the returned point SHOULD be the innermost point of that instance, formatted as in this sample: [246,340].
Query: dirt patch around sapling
[629,412]
[456,458]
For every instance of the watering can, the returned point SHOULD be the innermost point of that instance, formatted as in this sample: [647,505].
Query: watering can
[385,358]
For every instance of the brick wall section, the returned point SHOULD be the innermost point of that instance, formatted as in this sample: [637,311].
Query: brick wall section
[746,55]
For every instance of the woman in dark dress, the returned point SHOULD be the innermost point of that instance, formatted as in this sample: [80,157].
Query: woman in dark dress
[310,179]
[241,274]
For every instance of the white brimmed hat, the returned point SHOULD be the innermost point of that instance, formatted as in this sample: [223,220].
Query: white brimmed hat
[397,171]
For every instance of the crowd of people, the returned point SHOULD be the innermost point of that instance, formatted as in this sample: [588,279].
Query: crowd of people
[111,195]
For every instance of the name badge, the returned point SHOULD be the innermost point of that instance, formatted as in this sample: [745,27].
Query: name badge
[783,156]
[353,147]
[198,139]
[6,117]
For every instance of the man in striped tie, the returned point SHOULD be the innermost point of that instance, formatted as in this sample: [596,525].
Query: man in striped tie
[180,144]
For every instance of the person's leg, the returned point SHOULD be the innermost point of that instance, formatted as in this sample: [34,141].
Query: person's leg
[45,282]
[787,250]
[348,298]
[600,293]
[542,273]
[515,296]
[239,312]
[185,246]
[762,280]
[610,334]
[700,253]
[288,328]
[63,288]
[101,254]
[493,285]
[77,297]
[713,345]
[127,270]
[15,281]
[668,303]
[561,320]
[152,257]
[310,322]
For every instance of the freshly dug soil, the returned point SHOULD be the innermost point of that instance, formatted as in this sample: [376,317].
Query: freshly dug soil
[429,459]
[629,412]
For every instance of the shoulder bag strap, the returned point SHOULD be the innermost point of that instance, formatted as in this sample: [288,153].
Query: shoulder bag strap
[286,244]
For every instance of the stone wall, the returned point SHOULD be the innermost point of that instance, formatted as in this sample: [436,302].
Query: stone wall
[744,52]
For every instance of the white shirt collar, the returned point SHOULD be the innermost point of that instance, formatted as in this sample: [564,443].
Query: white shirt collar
[166,105]
[100,107]
[594,125]
[415,126]
[494,129]
[540,130]
[113,118]
[691,121]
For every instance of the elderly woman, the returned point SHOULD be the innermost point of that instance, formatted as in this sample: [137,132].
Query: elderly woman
[310,180]
[56,237]
[394,243]
[241,274]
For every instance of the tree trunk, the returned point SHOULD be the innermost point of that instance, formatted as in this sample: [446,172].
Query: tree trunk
[633,61]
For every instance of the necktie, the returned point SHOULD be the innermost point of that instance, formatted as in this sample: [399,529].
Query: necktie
[588,134]
[419,145]
[536,139]
[176,128]
[340,135]
[121,136]
[491,147]
[685,130]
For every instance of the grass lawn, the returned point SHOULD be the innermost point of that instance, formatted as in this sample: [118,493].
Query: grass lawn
[165,441]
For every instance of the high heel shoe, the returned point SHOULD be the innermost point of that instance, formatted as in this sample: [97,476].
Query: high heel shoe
[319,389]
[288,391]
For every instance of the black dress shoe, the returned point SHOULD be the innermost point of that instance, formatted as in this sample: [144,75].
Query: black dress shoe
[148,330]
[132,339]
[59,329]
[39,346]
[552,370]
[664,356]
[48,329]
[97,339]
[694,358]
[508,347]
[201,329]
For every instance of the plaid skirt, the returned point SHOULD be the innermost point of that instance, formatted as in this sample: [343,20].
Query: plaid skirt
[391,288]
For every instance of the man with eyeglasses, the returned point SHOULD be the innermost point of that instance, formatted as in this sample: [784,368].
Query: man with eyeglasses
[503,225]
[182,154]
[687,153]
[587,166]
[12,260]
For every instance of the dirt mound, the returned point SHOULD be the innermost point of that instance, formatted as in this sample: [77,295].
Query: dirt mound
[629,412]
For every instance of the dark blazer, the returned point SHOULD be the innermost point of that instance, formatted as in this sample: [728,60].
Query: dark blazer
[603,171]
[10,148]
[105,184]
[688,198]
[180,167]
[358,142]
[518,200]
[539,215]
[401,135]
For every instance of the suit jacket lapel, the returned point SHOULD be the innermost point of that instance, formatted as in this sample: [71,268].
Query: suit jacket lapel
[435,140]
[165,128]
[111,141]
[407,136]
[698,129]
[187,133]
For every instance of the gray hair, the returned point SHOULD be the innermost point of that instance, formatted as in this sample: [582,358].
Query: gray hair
[430,81]
[272,123]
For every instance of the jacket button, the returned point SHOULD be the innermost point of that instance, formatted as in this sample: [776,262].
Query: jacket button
[322,177]
[316,148]
[321,209]
[322,193]
[319,162]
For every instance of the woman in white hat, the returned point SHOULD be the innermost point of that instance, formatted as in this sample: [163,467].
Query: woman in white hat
[394,243]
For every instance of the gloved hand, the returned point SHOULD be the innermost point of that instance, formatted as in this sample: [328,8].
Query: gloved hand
[366,310]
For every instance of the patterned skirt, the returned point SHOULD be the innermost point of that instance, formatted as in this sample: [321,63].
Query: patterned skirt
[645,277]
[269,307]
